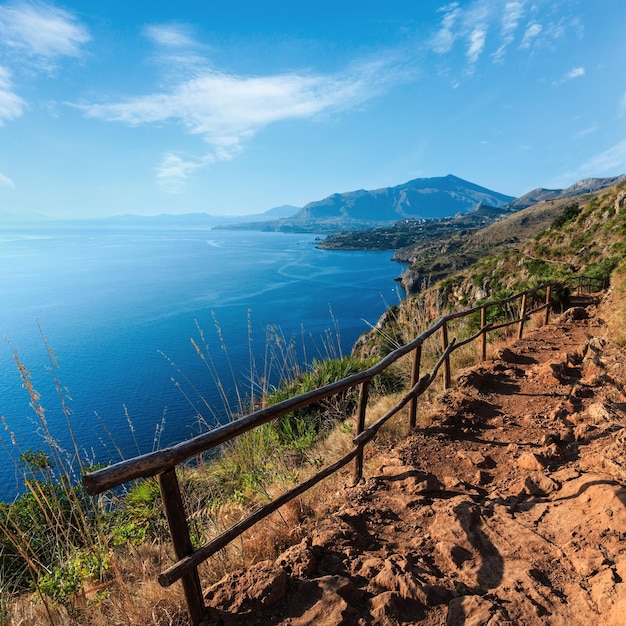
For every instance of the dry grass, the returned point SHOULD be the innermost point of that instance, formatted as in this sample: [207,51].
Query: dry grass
[613,309]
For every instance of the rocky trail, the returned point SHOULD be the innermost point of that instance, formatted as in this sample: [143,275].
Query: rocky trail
[509,508]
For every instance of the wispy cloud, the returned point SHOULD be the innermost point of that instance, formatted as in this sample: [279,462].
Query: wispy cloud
[5,181]
[498,26]
[227,110]
[531,34]
[611,162]
[174,171]
[513,13]
[575,72]
[476,43]
[33,36]
[446,35]
[171,35]
[11,105]
[41,31]
[622,105]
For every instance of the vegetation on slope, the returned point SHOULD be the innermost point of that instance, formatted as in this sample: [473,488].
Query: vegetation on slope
[585,237]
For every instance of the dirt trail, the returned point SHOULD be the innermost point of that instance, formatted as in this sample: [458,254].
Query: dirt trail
[510,508]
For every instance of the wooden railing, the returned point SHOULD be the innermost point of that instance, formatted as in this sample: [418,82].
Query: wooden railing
[163,463]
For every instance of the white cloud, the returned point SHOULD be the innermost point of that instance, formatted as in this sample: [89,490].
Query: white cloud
[170,35]
[575,72]
[226,110]
[513,13]
[41,31]
[11,105]
[32,36]
[6,181]
[530,35]
[173,171]
[445,36]
[611,162]
[476,43]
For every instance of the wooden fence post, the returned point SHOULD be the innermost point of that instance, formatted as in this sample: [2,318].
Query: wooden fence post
[483,324]
[522,318]
[415,376]
[446,364]
[358,460]
[179,532]
[548,297]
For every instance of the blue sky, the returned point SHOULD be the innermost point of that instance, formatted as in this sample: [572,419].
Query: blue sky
[232,108]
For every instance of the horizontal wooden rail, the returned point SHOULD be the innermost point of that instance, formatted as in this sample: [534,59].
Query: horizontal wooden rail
[164,462]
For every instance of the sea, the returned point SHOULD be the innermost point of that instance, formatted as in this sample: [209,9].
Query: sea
[142,339]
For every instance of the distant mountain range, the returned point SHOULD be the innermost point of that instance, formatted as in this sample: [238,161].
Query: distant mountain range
[586,185]
[165,221]
[421,198]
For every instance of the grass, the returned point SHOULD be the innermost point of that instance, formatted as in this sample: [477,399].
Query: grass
[67,558]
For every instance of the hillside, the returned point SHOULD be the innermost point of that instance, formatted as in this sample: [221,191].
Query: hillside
[438,248]
[406,234]
[507,507]
[440,256]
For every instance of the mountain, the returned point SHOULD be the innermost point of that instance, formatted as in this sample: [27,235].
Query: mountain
[421,198]
[586,185]
[441,255]
[424,198]
[284,210]
[164,221]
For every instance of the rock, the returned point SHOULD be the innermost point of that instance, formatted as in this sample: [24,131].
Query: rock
[475,458]
[576,313]
[327,600]
[391,609]
[530,461]
[565,474]
[582,431]
[507,355]
[299,560]
[603,590]
[259,586]
[482,477]
[412,480]
[471,611]
[551,372]
[550,438]
[599,412]
[397,575]
[538,484]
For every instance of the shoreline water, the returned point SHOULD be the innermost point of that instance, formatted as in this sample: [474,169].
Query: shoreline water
[113,305]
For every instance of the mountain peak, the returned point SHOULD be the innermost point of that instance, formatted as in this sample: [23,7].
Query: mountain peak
[426,198]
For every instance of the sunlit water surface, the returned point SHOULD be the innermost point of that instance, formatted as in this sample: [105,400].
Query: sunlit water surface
[119,310]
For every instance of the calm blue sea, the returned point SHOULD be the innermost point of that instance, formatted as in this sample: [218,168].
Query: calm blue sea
[119,310]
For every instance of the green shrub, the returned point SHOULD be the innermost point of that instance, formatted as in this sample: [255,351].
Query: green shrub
[570,212]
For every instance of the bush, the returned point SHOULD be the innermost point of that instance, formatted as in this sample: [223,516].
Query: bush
[570,212]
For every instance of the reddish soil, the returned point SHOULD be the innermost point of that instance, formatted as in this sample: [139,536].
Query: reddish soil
[510,508]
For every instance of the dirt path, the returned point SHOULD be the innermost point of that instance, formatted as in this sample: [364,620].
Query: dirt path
[510,508]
